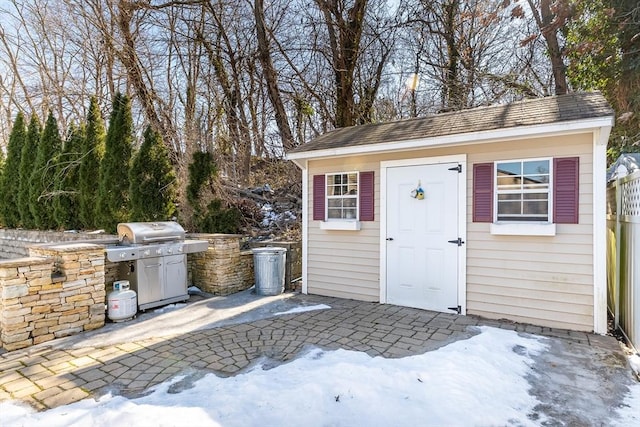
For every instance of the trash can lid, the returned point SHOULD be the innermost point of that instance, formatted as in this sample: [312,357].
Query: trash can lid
[268,249]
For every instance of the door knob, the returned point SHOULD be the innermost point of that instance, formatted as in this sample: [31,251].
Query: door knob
[389,238]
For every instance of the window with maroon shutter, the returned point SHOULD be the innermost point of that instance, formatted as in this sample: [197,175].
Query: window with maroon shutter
[339,196]
[525,189]
[366,196]
[483,192]
[318,197]
[566,190]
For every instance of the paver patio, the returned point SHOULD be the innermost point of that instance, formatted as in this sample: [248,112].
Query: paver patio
[45,376]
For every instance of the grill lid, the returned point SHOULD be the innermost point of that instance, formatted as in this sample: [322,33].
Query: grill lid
[150,232]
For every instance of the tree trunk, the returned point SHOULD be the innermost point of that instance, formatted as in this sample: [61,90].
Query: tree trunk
[453,91]
[344,40]
[545,19]
[271,77]
[147,97]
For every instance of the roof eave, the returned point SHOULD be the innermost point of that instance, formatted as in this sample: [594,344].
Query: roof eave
[518,132]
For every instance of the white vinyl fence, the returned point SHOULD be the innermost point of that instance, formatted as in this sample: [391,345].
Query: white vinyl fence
[623,246]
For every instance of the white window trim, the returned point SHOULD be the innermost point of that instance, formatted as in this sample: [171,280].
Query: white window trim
[340,223]
[523,228]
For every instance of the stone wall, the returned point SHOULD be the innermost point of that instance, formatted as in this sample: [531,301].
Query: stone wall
[223,269]
[16,243]
[60,288]
[58,291]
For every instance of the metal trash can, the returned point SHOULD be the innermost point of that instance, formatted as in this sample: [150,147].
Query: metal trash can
[269,266]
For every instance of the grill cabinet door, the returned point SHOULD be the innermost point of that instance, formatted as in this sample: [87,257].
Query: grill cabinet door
[150,278]
[175,284]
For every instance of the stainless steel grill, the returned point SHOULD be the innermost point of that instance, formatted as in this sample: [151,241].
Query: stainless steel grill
[153,258]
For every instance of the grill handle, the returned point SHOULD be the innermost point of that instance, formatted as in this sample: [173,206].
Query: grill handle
[160,239]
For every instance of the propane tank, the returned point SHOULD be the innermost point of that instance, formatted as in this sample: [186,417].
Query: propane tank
[123,302]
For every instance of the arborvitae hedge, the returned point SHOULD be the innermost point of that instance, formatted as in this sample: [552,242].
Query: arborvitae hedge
[113,193]
[92,153]
[10,184]
[42,178]
[218,218]
[27,161]
[65,203]
[202,170]
[152,181]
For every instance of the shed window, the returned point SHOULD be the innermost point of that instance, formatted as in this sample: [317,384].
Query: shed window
[342,196]
[523,190]
[528,196]
[345,197]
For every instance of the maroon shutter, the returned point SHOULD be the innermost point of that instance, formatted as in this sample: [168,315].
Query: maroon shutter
[483,192]
[366,196]
[565,190]
[318,197]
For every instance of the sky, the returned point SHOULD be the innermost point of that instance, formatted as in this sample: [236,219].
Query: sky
[480,381]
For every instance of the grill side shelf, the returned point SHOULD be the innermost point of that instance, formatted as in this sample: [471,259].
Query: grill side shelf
[122,253]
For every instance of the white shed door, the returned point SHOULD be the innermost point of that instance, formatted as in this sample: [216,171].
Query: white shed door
[422,265]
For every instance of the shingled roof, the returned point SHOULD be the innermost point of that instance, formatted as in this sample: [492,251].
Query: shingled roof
[539,111]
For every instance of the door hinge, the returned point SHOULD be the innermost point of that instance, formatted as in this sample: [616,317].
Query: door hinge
[457,309]
[458,241]
[456,168]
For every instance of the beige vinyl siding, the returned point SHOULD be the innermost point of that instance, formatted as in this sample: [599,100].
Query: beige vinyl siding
[544,280]
[344,264]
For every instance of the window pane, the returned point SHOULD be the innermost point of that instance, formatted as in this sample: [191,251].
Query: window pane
[350,202]
[536,181]
[521,218]
[350,213]
[509,182]
[334,203]
[536,167]
[334,213]
[511,168]
[535,208]
[509,208]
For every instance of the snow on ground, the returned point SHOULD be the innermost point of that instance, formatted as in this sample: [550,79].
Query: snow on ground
[169,307]
[269,216]
[302,309]
[629,412]
[634,362]
[475,382]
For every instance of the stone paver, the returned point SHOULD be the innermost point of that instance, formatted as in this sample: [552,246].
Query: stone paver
[46,377]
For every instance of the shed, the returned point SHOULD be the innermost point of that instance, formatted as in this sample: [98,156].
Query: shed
[496,211]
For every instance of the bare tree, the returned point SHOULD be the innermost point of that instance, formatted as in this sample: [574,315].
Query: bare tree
[551,17]
[270,75]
